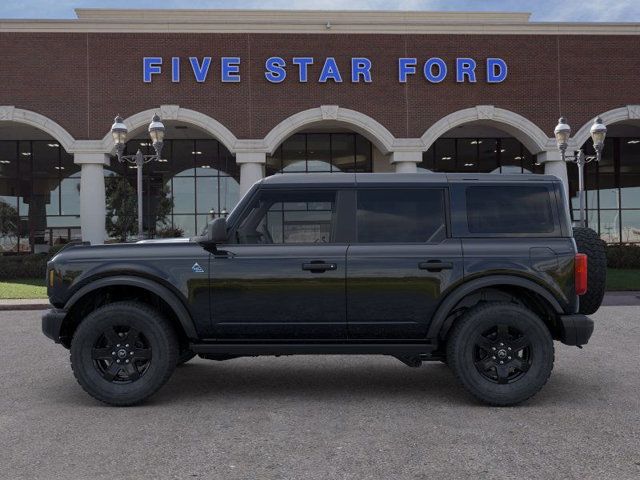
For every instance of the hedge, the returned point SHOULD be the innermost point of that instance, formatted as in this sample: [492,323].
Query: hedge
[623,256]
[25,266]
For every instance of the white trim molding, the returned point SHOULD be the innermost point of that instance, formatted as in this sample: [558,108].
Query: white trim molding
[9,113]
[177,113]
[617,115]
[382,138]
[512,123]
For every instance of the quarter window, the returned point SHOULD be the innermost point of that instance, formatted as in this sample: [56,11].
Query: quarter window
[509,209]
[290,217]
[401,216]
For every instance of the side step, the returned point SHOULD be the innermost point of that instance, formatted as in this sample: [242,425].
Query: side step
[251,349]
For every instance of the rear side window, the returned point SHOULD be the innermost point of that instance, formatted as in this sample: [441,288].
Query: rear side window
[401,216]
[509,209]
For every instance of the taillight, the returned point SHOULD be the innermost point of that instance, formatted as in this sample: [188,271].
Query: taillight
[581,273]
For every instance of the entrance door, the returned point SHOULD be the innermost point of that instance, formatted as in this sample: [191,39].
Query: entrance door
[285,276]
[403,259]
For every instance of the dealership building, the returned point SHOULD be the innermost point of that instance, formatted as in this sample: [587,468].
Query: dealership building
[244,94]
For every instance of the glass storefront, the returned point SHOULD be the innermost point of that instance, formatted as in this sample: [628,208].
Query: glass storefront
[195,181]
[479,155]
[39,196]
[322,152]
[612,190]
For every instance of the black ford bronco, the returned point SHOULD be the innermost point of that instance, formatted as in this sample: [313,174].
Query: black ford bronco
[479,271]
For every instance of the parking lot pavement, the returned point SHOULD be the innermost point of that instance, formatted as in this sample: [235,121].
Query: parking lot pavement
[322,417]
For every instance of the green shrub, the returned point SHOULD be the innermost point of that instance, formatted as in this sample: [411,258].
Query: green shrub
[26,266]
[623,256]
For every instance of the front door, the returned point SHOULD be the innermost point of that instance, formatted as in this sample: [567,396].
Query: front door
[401,262]
[282,276]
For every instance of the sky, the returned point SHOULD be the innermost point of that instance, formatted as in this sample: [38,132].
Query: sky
[542,10]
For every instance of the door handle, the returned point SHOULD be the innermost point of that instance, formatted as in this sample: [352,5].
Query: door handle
[318,266]
[435,266]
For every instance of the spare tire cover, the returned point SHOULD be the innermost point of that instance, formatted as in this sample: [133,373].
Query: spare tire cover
[589,243]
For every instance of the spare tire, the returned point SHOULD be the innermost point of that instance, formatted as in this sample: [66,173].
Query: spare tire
[589,243]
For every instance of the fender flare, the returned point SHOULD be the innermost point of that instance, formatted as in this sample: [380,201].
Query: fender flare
[439,322]
[161,291]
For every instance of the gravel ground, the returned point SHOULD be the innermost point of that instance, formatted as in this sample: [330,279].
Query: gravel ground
[332,417]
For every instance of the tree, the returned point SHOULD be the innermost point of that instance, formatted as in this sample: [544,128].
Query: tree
[9,221]
[122,208]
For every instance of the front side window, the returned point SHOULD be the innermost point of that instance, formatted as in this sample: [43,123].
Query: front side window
[401,216]
[286,217]
[509,209]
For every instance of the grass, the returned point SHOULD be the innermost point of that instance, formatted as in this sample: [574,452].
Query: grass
[23,288]
[618,279]
[35,287]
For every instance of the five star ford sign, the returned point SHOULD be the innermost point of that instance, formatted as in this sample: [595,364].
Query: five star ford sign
[362,69]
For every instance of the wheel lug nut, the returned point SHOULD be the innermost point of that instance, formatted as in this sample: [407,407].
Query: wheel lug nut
[127,360]
[508,358]
[117,345]
[493,348]
[501,344]
[113,353]
[501,362]
[493,358]
[130,353]
[127,345]
[118,361]
[509,348]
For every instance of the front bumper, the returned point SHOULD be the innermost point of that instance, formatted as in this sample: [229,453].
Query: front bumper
[52,323]
[575,329]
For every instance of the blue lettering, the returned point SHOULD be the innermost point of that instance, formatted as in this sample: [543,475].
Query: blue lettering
[150,66]
[275,69]
[442,70]
[406,66]
[200,71]
[175,69]
[360,67]
[496,70]
[465,67]
[303,65]
[330,71]
[230,69]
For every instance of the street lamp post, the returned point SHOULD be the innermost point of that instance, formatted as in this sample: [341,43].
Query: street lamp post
[156,132]
[598,133]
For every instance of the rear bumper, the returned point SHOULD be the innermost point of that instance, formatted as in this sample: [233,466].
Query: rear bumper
[575,329]
[52,323]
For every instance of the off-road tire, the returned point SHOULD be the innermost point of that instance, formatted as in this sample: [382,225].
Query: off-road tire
[588,242]
[462,351]
[157,340]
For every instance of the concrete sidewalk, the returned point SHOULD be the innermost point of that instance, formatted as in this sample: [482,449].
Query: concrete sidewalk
[610,299]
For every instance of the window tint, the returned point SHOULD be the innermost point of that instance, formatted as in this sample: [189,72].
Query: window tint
[401,216]
[290,217]
[509,209]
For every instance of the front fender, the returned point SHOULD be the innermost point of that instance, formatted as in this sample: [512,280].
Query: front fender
[170,297]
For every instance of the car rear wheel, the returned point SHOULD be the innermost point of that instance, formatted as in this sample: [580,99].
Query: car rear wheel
[502,353]
[123,352]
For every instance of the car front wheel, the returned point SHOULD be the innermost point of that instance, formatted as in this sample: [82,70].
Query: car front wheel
[123,353]
[502,353]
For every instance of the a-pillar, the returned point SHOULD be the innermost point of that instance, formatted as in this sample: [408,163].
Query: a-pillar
[251,168]
[92,196]
[406,161]
[554,165]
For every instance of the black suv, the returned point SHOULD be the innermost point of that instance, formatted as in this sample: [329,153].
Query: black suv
[479,271]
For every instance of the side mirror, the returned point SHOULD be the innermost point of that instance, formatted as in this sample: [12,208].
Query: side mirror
[216,232]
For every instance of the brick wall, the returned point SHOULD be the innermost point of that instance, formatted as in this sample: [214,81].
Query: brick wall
[82,80]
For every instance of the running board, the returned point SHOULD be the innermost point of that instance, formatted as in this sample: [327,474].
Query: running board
[250,349]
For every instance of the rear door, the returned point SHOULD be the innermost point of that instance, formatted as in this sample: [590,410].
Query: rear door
[401,262]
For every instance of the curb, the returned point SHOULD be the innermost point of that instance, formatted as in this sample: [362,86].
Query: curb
[35,304]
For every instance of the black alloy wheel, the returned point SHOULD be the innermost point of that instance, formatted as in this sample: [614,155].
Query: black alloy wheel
[123,352]
[502,353]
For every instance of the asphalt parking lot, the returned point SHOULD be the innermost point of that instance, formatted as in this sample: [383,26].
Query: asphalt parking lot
[334,417]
